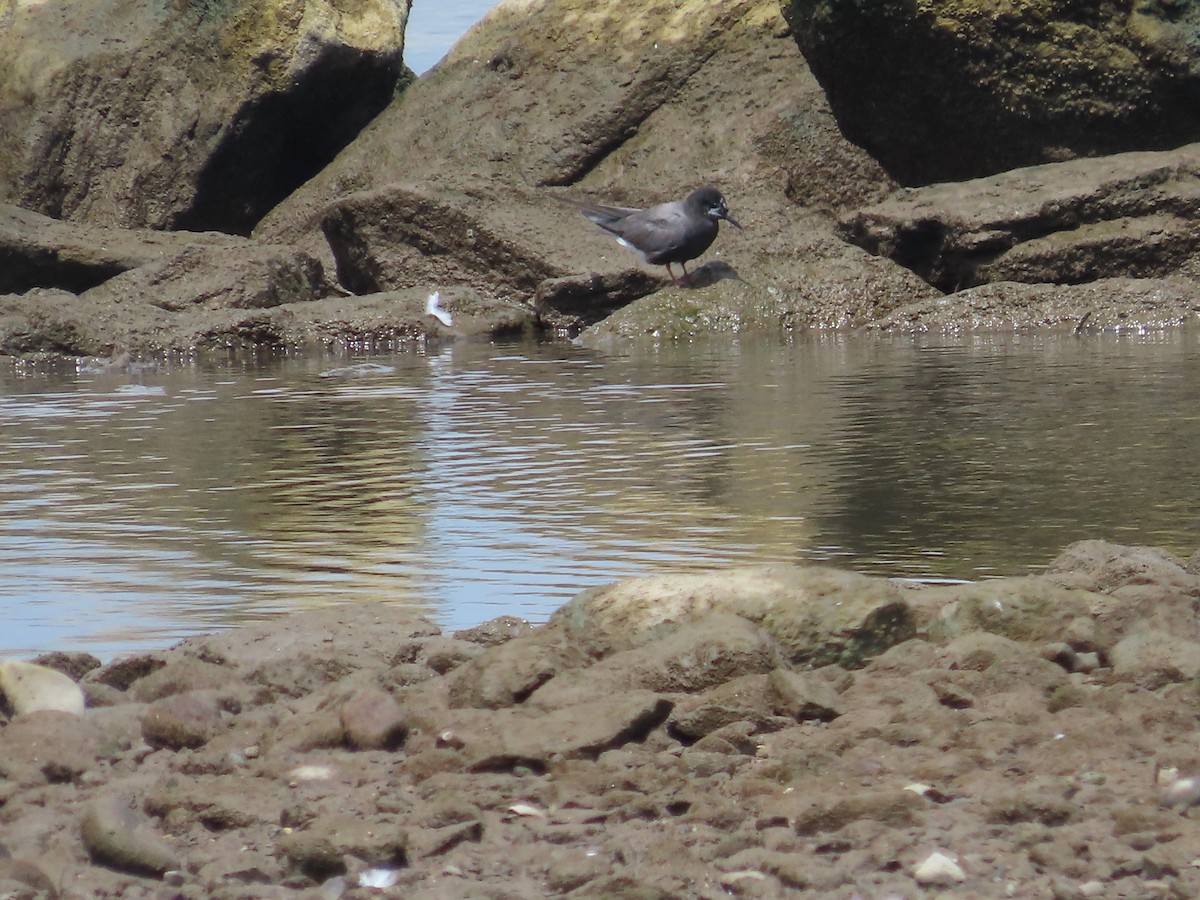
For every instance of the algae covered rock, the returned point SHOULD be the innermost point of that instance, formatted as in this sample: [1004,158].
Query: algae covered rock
[817,615]
[952,89]
[201,117]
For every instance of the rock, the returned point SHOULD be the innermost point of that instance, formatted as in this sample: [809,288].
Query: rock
[512,738]
[323,646]
[1027,609]
[28,687]
[183,675]
[73,663]
[943,91]
[319,849]
[471,201]
[1181,792]
[428,842]
[445,654]
[1005,664]
[388,316]
[373,720]
[509,673]
[495,631]
[938,869]
[1154,658]
[48,746]
[1106,568]
[117,835]
[42,252]
[746,699]
[803,696]
[24,880]
[306,732]
[892,807]
[692,657]
[373,236]
[1127,215]
[182,720]
[817,615]
[1147,586]
[201,120]
[1108,303]
[122,673]
[1025,759]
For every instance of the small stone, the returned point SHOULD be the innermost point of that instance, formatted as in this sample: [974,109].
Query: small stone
[17,875]
[182,720]
[937,868]
[29,687]
[373,720]
[74,664]
[1183,792]
[117,835]
[305,773]
[528,810]
[495,631]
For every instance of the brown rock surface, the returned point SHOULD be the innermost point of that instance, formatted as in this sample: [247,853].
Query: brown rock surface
[952,89]
[1126,215]
[458,179]
[199,117]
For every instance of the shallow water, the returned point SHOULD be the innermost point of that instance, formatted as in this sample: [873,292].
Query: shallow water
[476,479]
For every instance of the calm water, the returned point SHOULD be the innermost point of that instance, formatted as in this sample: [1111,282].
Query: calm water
[476,479]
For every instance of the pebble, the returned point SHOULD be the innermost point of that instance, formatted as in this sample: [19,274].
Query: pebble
[117,835]
[30,688]
[937,868]
[1183,792]
[182,720]
[373,720]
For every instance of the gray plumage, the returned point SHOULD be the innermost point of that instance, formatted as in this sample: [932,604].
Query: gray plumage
[674,232]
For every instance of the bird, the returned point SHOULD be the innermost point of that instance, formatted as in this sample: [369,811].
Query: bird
[673,232]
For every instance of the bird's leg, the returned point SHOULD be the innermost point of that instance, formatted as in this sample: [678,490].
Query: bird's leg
[674,280]
[686,276]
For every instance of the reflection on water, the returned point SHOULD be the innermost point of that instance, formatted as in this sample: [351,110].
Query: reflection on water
[477,479]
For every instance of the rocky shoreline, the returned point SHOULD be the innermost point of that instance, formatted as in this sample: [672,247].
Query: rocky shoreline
[760,732]
[253,175]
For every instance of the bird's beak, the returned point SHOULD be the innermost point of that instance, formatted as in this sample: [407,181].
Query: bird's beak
[732,221]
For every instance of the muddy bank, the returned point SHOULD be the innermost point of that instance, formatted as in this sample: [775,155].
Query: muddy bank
[759,732]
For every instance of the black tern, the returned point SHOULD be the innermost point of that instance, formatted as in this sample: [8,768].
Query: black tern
[669,233]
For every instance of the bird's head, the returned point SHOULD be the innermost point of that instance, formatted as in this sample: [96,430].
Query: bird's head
[709,201]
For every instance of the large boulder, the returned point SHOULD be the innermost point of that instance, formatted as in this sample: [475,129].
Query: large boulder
[1131,214]
[461,179]
[946,90]
[817,616]
[189,116]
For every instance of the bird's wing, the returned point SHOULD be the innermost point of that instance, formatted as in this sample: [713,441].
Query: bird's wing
[606,217]
[665,228]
